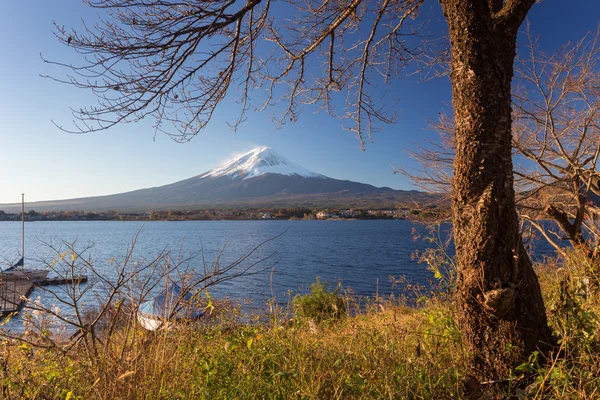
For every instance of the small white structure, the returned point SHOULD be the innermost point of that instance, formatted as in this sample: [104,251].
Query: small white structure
[170,305]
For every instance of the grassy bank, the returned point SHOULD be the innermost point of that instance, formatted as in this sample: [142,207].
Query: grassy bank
[386,350]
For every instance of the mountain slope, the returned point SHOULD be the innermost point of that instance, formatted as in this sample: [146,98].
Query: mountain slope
[259,178]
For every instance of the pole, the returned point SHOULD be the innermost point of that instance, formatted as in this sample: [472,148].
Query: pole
[23,225]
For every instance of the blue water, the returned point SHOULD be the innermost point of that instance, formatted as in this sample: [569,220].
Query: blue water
[362,255]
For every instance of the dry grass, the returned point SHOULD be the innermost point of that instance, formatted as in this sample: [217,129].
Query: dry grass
[394,352]
[385,351]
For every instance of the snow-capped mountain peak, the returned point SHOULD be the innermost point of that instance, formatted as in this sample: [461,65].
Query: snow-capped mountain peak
[260,161]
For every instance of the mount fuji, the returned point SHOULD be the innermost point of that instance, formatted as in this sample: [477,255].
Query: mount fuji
[259,178]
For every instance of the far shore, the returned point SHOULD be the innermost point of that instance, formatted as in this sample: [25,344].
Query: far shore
[271,214]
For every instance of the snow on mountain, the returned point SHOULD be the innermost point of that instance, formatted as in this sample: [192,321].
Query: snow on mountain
[257,162]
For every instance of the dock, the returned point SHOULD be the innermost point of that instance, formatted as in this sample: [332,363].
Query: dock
[13,295]
[63,281]
[14,292]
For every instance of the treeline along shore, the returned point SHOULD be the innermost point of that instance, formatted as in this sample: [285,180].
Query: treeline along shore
[401,212]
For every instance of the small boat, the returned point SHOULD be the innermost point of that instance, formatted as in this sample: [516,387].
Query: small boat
[170,305]
[17,272]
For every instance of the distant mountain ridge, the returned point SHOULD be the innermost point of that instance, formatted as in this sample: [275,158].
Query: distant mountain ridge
[259,178]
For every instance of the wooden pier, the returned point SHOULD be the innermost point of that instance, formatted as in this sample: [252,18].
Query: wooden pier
[63,281]
[14,292]
[13,295]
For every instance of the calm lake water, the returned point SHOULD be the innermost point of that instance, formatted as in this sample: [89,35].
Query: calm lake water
[362,255]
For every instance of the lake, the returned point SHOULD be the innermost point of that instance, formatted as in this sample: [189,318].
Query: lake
[362,255]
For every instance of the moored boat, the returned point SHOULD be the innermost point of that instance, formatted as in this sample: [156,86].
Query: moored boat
[18,272]
[170,305]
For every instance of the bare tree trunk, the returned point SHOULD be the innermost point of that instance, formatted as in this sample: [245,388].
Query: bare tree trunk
[501,313]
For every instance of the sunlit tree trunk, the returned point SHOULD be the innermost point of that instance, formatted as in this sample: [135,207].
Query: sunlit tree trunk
[501,310]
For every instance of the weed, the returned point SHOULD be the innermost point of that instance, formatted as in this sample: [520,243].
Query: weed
[321,304]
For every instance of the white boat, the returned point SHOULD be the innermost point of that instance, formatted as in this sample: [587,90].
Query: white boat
[17,272]
[169,306]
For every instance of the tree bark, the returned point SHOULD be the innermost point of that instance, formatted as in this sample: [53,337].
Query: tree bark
[501,310]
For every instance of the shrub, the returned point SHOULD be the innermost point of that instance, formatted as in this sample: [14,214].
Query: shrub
[320,304]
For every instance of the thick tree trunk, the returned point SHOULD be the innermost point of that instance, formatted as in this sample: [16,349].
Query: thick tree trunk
[501,310]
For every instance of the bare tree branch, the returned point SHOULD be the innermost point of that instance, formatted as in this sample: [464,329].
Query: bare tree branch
[176,62]
[556,140]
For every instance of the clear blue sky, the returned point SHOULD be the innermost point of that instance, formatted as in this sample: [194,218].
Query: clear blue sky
[47,163]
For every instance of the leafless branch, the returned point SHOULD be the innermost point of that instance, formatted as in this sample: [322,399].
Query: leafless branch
[175,62]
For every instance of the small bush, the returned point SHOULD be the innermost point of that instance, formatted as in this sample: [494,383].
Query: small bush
[320,304]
